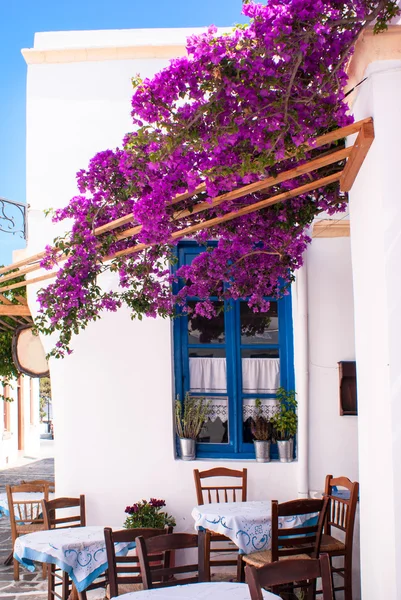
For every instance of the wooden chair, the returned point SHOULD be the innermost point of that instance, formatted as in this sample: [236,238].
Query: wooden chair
[291,572]
[124,571]
[297,542]
[59,583]
[50,484]
[222,493]
[51,509]
[25,515]
[340,517]
[155,577]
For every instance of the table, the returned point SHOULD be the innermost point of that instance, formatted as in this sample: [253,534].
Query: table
[20,496]
[247,524]
[198,591]
[80,551]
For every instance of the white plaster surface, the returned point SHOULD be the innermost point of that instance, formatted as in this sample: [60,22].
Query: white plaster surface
[9,452]
[113,396]
[376,253]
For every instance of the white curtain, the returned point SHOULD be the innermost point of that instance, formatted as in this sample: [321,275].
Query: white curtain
[207,374]
[259,375]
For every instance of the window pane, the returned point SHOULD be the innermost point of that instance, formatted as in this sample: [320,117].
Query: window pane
[215,429]
[207,372]
[259,328]
[260,372]
[206,331]
[249,412]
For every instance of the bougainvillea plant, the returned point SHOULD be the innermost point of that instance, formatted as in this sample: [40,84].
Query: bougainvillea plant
[148,513]
[237,108]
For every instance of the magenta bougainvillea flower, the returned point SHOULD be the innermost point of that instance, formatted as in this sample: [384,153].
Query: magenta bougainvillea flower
[148,514]
[236,109]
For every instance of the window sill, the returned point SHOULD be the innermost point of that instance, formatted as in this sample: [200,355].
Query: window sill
[234,459]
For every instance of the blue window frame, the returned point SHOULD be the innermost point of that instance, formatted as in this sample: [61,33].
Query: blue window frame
[226,348]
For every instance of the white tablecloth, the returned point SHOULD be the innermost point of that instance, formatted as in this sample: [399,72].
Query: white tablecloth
[19,496]
[247,524]
[80,551]
[198,591]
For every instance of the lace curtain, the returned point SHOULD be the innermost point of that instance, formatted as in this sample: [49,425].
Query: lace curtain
[259,376]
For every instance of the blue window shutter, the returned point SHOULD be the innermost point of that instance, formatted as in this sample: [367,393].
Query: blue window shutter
[236,447]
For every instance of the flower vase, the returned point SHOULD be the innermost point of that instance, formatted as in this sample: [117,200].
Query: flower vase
[187,447]
[285,450]
[262,450]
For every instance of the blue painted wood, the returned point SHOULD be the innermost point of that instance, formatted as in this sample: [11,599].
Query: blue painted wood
[235,448]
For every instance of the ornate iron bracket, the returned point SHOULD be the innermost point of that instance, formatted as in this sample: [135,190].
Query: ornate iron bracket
[11,221]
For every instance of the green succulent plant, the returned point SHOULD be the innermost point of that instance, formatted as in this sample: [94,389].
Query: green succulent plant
[285,420]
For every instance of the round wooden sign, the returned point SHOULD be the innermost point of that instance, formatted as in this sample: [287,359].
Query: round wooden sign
[28,353]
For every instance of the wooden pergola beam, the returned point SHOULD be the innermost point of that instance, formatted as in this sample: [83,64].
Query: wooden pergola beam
[246,210]
[360,149]
[322,140]
[354,155]
[15,309]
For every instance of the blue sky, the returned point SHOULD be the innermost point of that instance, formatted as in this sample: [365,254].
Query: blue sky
[20,19]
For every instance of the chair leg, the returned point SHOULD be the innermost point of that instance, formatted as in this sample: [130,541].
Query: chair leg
[65,586]
[16,570]
[348,577]
[240,569]
[50,582]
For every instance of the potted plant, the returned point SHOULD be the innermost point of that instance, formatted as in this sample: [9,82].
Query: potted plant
[190,416]
[285,422]
[146,514]
[262,433]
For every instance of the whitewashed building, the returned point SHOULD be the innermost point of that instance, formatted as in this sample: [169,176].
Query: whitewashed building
[113,397]
[19,425]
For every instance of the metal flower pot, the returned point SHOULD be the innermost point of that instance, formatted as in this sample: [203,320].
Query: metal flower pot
[285,450]
[187,447]
[262,450]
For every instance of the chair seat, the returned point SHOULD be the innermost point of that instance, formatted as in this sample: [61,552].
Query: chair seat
[31,528]
[259,559]
[125,588]
[331,544]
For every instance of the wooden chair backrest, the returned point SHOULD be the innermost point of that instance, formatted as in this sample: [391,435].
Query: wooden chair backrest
[126,569]
[50,484]
[341,511]
[165,544]
[289,541]
[25,515]
[229,493]
[290,571]
[52,507]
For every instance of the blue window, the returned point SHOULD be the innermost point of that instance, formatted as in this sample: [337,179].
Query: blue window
[232,359]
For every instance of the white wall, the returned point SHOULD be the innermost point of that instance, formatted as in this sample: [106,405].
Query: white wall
[9,453]
[375,207]
[333,441]
[113,396]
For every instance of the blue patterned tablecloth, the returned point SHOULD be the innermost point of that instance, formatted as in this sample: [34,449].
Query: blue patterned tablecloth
[80,551]
[198,591]
[247,524]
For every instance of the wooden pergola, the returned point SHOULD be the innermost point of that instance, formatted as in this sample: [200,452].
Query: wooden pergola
[350,157]
[14,314]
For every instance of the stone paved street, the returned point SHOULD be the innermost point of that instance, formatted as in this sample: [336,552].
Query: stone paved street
[31,585]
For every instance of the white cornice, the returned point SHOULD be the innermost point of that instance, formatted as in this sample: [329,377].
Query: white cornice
[70,55]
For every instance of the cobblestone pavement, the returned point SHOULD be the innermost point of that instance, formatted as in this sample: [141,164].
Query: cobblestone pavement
[31,586]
